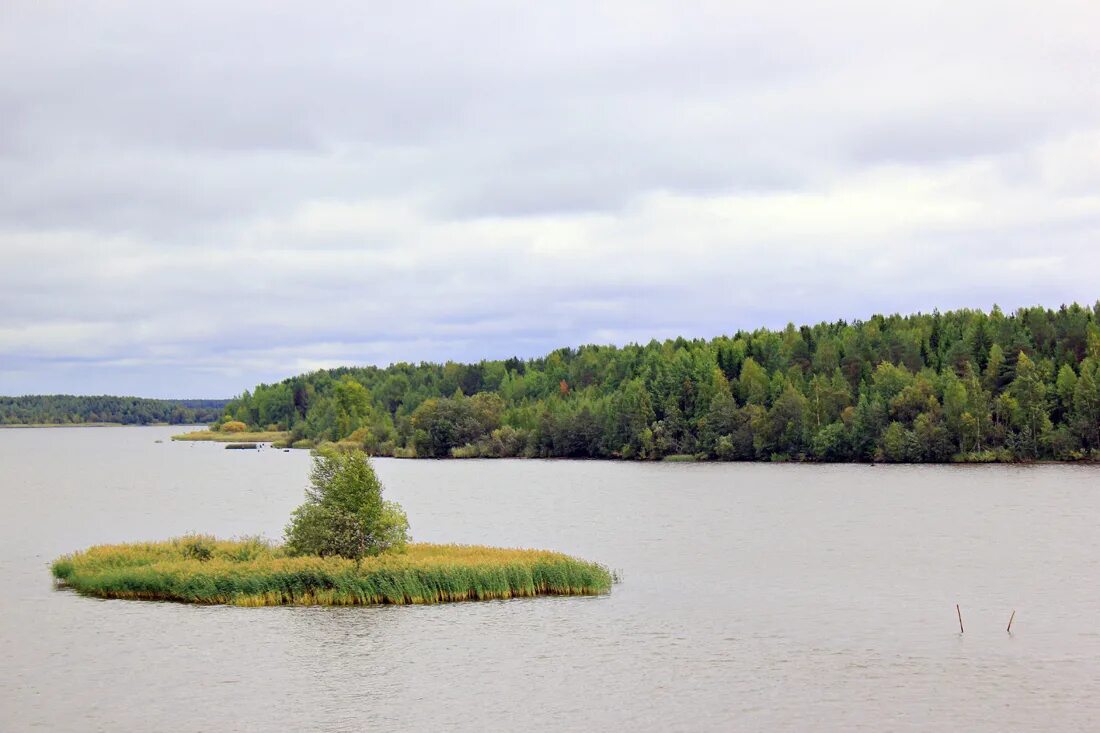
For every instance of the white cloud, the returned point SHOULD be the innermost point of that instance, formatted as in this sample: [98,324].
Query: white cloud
[189,208]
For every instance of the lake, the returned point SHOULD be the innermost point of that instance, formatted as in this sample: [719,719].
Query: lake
[754,597]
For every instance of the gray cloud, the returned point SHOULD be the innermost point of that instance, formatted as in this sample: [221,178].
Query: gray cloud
[197,198]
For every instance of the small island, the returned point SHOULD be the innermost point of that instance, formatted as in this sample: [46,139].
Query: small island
[234,431]
[344,546]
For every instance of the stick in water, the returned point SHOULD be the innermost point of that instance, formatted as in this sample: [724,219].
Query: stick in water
[1010,618]
[960,618]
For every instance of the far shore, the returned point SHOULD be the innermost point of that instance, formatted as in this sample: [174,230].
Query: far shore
[93,425]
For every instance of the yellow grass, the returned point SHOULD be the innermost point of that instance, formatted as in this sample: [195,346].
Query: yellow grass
[262,436]
[252,573]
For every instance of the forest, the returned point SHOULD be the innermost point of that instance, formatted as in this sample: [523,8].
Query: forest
[74,410]
[963,385]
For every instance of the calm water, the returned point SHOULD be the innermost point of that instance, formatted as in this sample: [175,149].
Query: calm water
[755,597]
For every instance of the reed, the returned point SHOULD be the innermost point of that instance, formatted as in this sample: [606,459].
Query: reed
[264,436]
[200,569]
[681,458]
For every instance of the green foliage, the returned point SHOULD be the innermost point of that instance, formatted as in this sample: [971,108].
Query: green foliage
[753,383]
[72,410]
[344,514]
[441,424]
[960,385]
[899,445]
[1030,416]
[831,443]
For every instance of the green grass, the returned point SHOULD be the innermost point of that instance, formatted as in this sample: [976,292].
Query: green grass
[263,436]
[204,570]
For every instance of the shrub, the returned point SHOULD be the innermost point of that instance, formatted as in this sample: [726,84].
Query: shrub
[234,426]
[197,547]
[470,450]
[723,448]
[361,437]
[249,549]
[999,455]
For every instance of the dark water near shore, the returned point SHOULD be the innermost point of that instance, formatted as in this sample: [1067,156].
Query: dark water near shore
[755,597]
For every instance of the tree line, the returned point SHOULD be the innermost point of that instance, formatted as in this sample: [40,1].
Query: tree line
[964,385]
[77,410]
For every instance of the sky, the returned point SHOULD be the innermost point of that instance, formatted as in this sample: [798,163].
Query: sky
[198,197]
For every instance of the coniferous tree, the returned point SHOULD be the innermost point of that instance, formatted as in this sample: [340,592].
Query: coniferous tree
[958,385]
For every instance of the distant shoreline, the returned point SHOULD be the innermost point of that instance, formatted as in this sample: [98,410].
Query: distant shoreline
[59,410]
[91,425]
[281,439]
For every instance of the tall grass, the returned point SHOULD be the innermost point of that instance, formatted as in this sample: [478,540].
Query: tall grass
[262,436]
[201,569]
[680,458]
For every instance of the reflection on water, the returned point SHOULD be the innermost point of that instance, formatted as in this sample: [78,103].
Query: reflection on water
[755,597]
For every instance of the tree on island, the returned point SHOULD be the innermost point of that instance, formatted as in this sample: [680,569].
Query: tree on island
[344,513]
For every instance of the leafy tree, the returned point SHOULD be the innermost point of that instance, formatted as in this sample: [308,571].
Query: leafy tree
[955,407]
[1030,416]
[828,395]
[753,384]
[1064,387]
[631,414]
[914,398]
[351,405]
[979,424]
[441,424]
[993,376]
[344,513]
[786,425]
[831,442]
[900,445]
[932,437]
[1086,403]
[722,417]
[889,380]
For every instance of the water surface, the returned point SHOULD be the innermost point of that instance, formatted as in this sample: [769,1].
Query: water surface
[755,597]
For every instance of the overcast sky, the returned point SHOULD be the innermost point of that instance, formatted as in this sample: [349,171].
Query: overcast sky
[195,200]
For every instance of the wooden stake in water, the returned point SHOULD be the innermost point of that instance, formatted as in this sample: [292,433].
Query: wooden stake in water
[960,618]
[1010,618]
